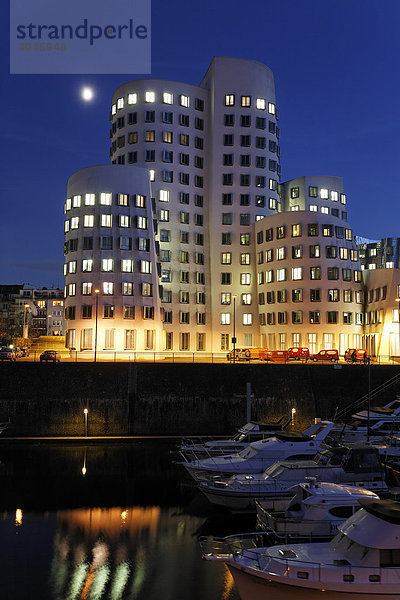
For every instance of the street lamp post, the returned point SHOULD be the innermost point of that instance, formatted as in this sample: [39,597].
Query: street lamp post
[25,328]
[234,329]
[97,292]
[85,414]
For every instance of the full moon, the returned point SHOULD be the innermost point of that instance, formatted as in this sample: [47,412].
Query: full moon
[87,94]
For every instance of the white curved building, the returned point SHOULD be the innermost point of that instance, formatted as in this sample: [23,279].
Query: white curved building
[207,160]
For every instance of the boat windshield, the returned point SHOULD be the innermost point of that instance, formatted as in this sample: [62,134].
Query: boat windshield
[248,452]
[273,471]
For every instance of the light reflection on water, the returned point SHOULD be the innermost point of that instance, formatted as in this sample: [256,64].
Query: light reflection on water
[135,538]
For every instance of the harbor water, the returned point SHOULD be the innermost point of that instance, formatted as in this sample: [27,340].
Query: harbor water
[106,522]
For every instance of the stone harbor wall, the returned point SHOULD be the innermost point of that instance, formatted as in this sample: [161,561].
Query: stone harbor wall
[174,399]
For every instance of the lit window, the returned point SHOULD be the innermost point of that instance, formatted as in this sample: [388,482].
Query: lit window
[87,265]
[88,220]
[272,203]
[150,97]
[246,299]
[145,266]
[120,103]
[127,289]
[343,198]
[168,98]
[76,201]
[271,108]
[281,274]
[226,258]
[107,265]
[149,135]
[260,103]
[152,174]
[68,204]
[72,266]
[225,318]
[106,220]
[113,109]
[334,196]
[124,220]
[225,298]
[90,199]
[245,278]
[247,318]
[108,288]
[105,199]
[184,101]
[297,273]
[140,200]
[141,222]
[123,199]
[164,215]
[313,208]
[281,253]
[245,258]
[324,193]
[86,288]
[246,101]
[132,98]
[74,222]
[324,210]
[229,100]
[343,253]
[164,196]
[127,265]
[269,276]
[296,230]
[71,289]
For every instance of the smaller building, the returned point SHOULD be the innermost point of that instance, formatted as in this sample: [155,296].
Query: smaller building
[38,311]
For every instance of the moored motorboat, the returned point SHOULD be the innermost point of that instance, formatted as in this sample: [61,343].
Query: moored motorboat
[369,424]
[358,466]
[250,432]
[260,455]
[362,562]
[313,513]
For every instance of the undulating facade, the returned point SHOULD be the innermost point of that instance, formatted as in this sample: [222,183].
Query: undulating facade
[189,236]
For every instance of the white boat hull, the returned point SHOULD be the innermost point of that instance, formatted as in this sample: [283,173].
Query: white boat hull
[269,587]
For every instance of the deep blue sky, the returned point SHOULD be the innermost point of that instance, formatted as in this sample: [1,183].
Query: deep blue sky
[337,77]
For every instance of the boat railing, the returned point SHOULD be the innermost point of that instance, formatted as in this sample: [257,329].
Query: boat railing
[220,548]
[338,571]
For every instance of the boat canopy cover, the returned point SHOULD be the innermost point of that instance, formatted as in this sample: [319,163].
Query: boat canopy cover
[292,436]
[388,510]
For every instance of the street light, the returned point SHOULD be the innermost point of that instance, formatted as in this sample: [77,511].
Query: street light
[25,328]
[85,415]
[234,328]
[97,292]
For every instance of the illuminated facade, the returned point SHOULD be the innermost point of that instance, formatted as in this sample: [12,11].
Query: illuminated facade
[176,228]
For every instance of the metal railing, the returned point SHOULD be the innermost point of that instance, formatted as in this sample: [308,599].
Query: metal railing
[362,402]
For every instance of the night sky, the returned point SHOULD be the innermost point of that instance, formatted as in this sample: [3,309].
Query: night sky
[337,78]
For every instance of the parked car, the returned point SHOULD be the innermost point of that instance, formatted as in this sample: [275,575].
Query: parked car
[50,356]
[24,351]
[298,354]
[244,354]
[274,355]
[8,354]
[331,355]
[356,355]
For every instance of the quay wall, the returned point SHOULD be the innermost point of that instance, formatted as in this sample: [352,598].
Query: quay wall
[174,399]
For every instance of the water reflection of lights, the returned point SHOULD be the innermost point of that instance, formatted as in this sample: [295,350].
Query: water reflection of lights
[94,548]
[18,517]
[84,470]
[228,584]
